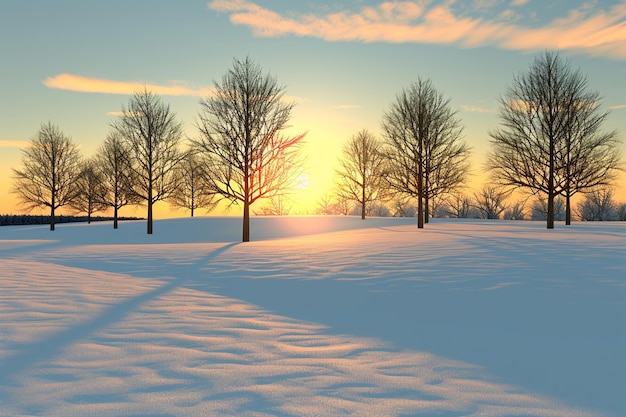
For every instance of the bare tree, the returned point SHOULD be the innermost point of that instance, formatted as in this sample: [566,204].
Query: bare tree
[115,166]
[621,212]
[377,210]
[490,202]
[325,205]
[153,135]
[193,190]
[438,206]
[242,136]
[460,206]
[550,142]
[515,212]
[361,171]
[50,168]
[330,204]
[90,190]
[277,206]
[598,205]
[426,155]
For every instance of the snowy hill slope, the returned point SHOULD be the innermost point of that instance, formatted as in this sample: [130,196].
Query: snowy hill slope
[318,316]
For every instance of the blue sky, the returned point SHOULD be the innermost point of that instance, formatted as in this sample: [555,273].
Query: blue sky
[75,63]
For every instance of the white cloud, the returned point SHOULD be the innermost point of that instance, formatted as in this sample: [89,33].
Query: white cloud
[617,107]
[593,31]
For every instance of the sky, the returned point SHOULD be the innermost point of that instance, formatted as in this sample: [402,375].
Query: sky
[76,63]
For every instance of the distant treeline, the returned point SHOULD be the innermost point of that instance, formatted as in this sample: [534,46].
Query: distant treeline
[26,219]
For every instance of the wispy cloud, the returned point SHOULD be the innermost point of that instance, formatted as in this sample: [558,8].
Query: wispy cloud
[103,86]
[292,99]
[13,143]
[617,107]
[98,85]
[470,108]
[592,31]
[519,2]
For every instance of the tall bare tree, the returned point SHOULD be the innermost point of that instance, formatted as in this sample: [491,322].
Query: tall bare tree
[50,168]
[90,189]
[193,190]
[115,166]
[242,136]
[590,158]
[153,135]
[426,154]
[361,171]
[550,141]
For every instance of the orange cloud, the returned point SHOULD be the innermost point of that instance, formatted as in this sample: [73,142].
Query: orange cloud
[97,85]
[13,144]
[595,32]
[618,107]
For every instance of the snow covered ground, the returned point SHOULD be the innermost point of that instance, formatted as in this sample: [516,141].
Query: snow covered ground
[318,316]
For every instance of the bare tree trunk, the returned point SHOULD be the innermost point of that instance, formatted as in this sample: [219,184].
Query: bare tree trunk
[115,200]
[52,217]
[550,222]
[246,221]
[420,196]
[363,201]
[426,194]
[568,208]
[150,202]
[426,200]
[52,205]
[150,216]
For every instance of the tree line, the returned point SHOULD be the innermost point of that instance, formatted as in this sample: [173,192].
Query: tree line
[29,219]
[490,202]
[242,154]
[550,143]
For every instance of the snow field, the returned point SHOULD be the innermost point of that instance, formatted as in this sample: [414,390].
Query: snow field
[317,317]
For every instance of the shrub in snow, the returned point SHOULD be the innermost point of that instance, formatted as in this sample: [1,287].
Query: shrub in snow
[598,206]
